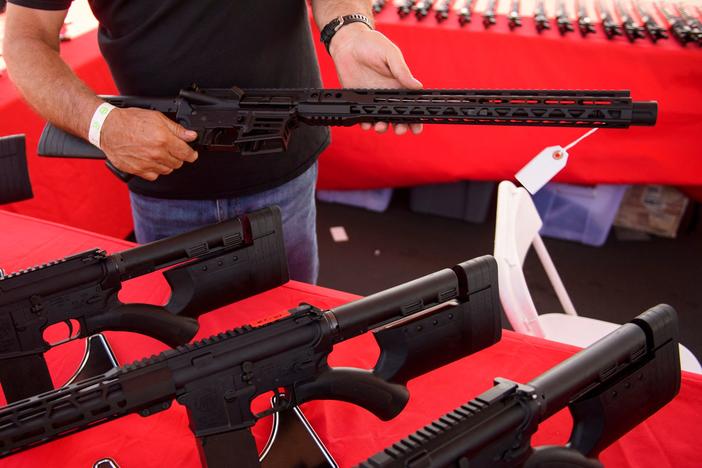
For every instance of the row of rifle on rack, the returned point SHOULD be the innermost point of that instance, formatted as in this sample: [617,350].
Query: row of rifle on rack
[633,19]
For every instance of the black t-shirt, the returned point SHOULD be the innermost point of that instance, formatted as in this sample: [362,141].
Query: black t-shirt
[156,47]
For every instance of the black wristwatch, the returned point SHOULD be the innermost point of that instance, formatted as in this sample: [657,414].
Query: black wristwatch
[337,23]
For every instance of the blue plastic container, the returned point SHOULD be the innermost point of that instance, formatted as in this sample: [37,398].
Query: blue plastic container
[373,200]
[578,213]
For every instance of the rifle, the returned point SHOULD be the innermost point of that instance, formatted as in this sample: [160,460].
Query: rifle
[422,8]
[489,14]
[14,177]
[676,25]
[465,13]
[585,23]
[419,326]
[609,26]
[259,121]
[632,31]
[442,9]
[654,30]
[213,266]
[562,19]
[404,7]
[513,17]
[692,22]
[540,18]
[609,388]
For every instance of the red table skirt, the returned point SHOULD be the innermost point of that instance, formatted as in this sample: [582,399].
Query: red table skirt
[668,439]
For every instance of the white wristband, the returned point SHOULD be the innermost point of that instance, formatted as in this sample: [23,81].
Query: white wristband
[98,119]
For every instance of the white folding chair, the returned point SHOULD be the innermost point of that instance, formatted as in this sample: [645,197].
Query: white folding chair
[517,229]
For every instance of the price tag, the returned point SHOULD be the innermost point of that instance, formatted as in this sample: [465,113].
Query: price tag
[545,165]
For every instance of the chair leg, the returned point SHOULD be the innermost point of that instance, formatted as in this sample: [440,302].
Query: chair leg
[553,276]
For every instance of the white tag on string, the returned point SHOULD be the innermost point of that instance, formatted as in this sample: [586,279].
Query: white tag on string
[545,165]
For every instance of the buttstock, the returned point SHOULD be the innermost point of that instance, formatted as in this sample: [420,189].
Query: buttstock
[55,142]
[146,319]
[453,331]
[357,386]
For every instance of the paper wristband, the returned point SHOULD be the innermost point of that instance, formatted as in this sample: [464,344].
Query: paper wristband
[98,119]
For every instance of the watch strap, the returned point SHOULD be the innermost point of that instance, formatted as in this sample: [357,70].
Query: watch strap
[337,23]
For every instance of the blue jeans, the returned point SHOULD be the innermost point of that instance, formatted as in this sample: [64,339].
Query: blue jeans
[156,218]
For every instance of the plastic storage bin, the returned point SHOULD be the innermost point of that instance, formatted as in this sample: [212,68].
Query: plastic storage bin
[578,213]
[373,200]
[469,201]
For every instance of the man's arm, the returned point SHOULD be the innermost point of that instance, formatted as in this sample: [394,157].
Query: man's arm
[364,58]
[136,141]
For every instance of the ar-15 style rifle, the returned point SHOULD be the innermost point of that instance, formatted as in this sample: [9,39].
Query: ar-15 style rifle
[654,30]
[442,10]
[562,19]
[258,121]
[609,387]
[465,13]
[676,25]
[422,8]
[212,266]
[585,23]
[540,19]
[513,17]
[489,14]
[632,31]
[419,326]
[609,26]
[692,22]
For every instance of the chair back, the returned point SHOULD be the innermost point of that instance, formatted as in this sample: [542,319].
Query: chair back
[517,225]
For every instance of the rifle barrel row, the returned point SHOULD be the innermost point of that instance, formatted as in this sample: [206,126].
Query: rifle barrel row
[631,19]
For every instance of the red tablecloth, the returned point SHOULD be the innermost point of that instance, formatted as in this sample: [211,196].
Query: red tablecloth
[668,439]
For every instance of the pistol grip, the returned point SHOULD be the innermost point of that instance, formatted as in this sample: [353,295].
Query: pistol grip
[146,319]
[357,386]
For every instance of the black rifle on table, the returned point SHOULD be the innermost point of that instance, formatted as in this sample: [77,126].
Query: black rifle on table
[609,388]
[259,121]
[692,22]
[489,14]
[211,267]
[654,30]
[14,176]
[609,26]
[422,8]
[378,5]
[676,25]
[540,19]
[465,13]
[631,29]
[562,19]
[419,326]
[514,19]
[442,10]
[585,23]
[404,8]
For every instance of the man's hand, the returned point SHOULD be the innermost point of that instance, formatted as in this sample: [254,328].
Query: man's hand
[367,59]
[145,142]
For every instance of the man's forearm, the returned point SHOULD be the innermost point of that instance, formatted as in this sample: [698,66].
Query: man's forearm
[46,82]
[326,10]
